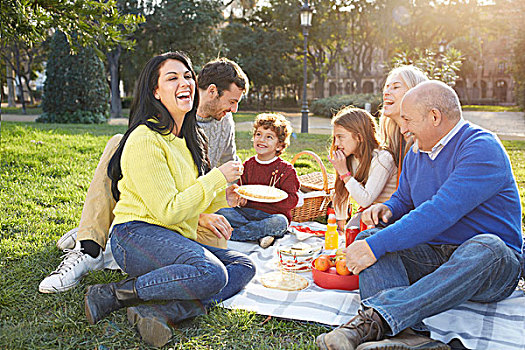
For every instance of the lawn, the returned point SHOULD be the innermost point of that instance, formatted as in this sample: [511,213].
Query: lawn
[45,172]
[490,108]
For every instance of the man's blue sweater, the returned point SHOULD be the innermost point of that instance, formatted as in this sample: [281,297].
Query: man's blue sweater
[467,190]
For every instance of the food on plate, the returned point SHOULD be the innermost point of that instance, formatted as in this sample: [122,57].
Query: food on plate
[322,263]
[284,281]
[261,192]
[340,252]
[340,267]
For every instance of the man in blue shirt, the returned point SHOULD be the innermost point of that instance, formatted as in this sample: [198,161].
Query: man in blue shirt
[454,230]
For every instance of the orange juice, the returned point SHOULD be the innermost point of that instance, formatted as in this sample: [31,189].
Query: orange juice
[331,237]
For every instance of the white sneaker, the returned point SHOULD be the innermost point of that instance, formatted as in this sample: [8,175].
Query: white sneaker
[72,268]
[68,240]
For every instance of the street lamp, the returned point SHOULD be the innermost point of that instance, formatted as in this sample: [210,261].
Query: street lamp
[306,21]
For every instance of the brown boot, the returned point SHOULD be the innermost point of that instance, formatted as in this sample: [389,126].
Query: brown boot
[154,321]
[406,340]
[367,325]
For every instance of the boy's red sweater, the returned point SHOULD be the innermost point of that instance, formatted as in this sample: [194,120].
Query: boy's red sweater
[256,173]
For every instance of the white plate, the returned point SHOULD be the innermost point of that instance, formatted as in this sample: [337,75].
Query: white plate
[255,192]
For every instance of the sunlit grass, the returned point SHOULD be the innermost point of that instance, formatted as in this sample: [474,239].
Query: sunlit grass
[482,108]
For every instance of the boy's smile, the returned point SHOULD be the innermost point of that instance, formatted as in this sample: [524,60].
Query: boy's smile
[266,143]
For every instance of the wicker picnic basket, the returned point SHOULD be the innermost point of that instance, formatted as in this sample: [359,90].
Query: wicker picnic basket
[314,207]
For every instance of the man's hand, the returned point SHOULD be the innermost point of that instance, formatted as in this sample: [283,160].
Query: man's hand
[359,256]
[233,198]
[217,224]
[373,214]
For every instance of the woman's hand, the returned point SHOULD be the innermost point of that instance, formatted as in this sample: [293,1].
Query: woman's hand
[339,162]
[232,170]
[233,198]
[217,224]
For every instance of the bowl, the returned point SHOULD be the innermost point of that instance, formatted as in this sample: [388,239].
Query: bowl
[298,257]
[329,279]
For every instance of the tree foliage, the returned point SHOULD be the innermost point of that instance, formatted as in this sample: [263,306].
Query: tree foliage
[440,66]
[75,90]
[190,26]
[264,54]
[93,21]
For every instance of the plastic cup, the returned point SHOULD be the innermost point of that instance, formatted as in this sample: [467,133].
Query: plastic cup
[350,234]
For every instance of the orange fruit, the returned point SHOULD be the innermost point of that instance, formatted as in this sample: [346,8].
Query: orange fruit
[340,267]
[322,263]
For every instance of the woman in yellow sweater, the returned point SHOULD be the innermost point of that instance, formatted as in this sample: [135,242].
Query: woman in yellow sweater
[162,181]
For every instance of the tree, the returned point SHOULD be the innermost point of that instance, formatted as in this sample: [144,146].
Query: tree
[75,90]
[439,66]
[190,26]
[22,59]
[518,65]
[92,21]
[364,22]
[272,66]
[113,60]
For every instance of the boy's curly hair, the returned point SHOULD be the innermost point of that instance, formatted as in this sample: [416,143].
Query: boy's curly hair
[278,124]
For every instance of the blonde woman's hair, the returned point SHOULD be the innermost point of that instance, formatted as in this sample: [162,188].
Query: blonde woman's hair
[363,126]
[389,130]
[278,124]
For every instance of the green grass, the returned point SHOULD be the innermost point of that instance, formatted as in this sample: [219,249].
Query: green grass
[482,108]
[45,172]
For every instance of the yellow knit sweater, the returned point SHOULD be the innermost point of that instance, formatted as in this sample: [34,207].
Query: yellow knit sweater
[160,184]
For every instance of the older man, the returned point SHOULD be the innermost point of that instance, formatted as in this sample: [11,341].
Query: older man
[221,83]
[454,233]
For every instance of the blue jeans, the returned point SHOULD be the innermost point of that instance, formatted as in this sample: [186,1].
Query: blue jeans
[251,224]
[408,286]
[169,266]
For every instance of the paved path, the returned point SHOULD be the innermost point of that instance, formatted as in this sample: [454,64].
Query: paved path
[507,125]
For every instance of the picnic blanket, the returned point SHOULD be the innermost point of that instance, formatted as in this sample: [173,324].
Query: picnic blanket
[479,326]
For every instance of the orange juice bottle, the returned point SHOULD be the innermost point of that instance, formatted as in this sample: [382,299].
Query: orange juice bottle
[331,237]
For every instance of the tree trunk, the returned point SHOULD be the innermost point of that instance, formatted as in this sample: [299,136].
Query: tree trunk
[358,82]
[31,97]
[319,87]
[113,62]
[19,75]
[11,99]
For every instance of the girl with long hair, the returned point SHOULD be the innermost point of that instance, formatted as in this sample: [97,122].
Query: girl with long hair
[162,181]
[364,171]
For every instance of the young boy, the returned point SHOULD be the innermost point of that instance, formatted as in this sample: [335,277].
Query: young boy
[266,221]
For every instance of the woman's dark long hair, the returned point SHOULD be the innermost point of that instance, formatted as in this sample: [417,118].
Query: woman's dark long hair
[147,110]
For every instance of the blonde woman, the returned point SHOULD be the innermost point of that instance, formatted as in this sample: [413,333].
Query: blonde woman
[398,82]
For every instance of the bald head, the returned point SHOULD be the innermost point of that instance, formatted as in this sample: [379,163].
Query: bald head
[428,112]
[434,94]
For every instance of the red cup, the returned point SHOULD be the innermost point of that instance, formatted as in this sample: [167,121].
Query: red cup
[362,226]
[351,234]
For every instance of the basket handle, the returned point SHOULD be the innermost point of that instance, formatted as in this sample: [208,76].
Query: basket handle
[321,165]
